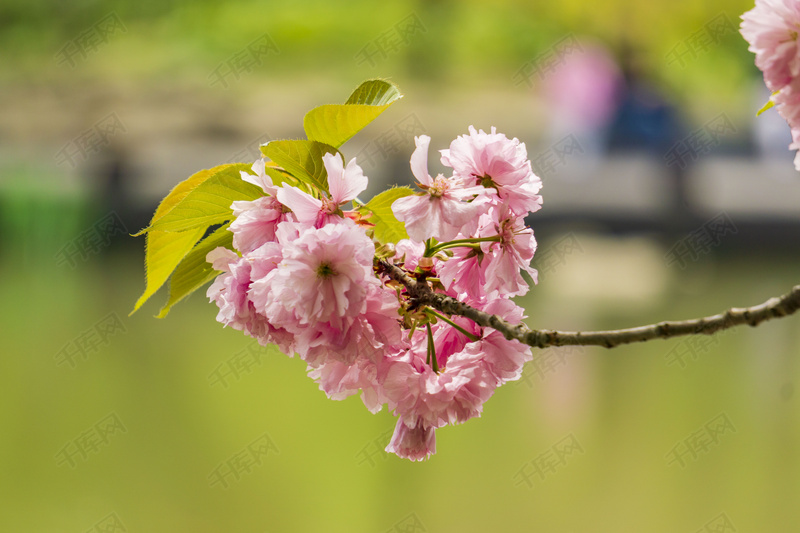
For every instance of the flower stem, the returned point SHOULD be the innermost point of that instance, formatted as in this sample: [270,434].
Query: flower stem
[462,242]
[432,351]
[428,248]
[466,333]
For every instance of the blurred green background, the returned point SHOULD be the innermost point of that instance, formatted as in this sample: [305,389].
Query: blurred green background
[182,425]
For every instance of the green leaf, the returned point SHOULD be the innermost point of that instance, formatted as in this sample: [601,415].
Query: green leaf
[278,175]
[178,193]
[387,227]
[169,237]
[207,202]
[336,124]
[164,250]
[375,92]
[301,159]
[194,271]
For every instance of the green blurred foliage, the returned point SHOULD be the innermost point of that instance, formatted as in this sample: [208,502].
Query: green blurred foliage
[464,42]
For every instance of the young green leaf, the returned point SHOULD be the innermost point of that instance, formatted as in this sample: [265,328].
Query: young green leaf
[301,159]
[375,92]
[336,124]
[208,202]
[387,227]
[194,271]
[164,250]
[178,193]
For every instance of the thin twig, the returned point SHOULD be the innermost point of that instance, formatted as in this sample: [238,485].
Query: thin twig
[422,294]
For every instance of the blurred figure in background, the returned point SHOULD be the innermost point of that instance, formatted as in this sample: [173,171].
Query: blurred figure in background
[582,96]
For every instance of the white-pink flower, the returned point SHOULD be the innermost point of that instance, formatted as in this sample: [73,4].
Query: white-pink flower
[261,178]
[497,163]
[345,184]
[446,206]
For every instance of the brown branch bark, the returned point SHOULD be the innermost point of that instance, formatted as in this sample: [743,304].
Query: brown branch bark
[421,293]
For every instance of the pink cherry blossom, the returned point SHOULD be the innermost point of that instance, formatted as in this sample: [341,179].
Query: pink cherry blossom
[339,380]
[408,253]
[446,205]
[771,28]
[304,278]
[503,358]
[345,184]
[499,164]
[796,146]
[255,222]
[230,292]
[464,272]
[504,259]
[323,276]
[416,442]
[261,178]
[452,396]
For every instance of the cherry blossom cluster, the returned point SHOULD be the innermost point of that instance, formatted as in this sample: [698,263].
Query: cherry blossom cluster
[771,28]
[306,276]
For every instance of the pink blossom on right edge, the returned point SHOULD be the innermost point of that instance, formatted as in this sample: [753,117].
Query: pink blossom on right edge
[771,28]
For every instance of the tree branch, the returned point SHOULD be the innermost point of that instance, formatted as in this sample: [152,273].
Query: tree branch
[421,294]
